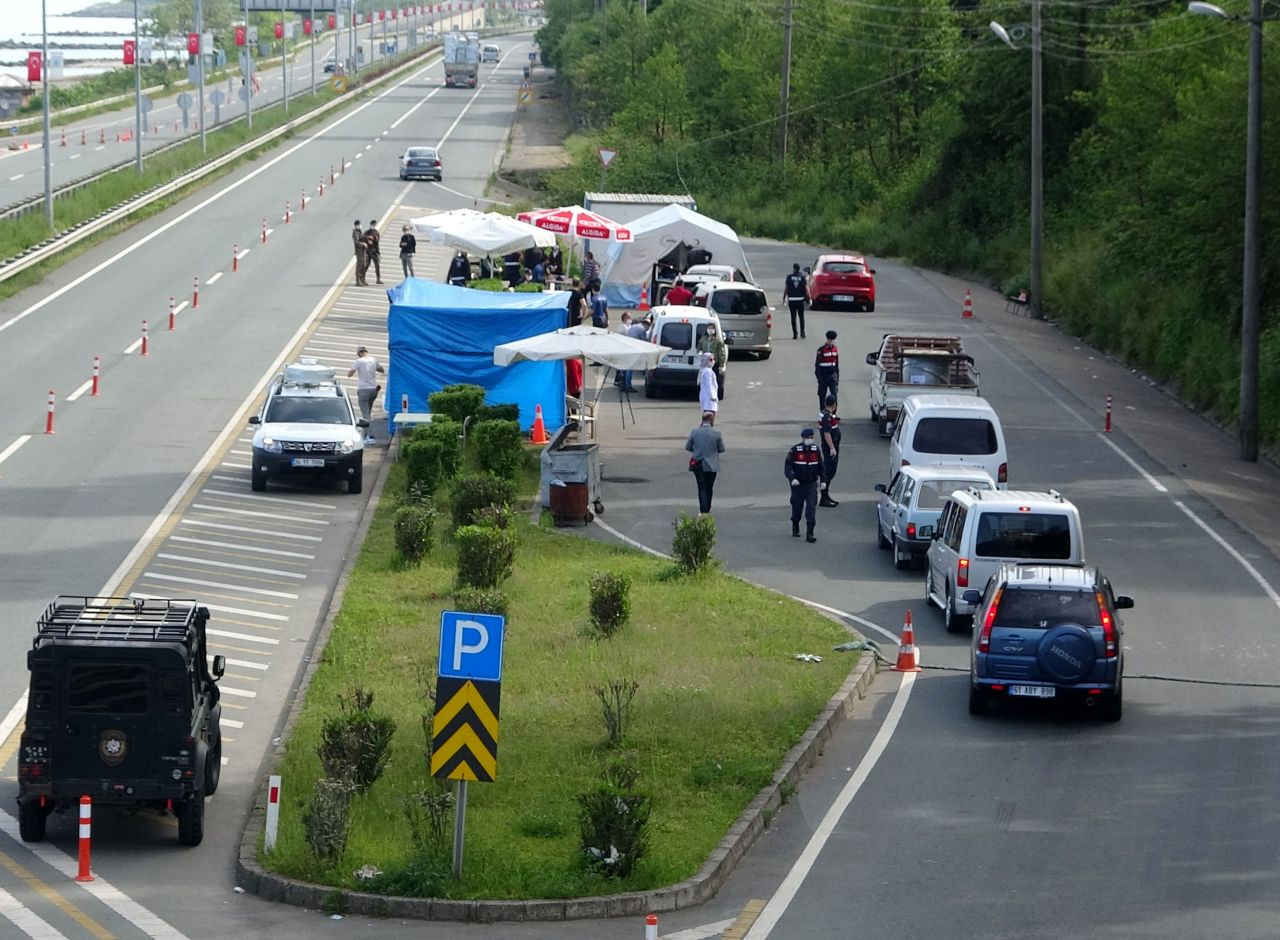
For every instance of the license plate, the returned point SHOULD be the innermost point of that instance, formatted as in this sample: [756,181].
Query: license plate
[307,462]
[1033,691]
[740,334]
[844,298]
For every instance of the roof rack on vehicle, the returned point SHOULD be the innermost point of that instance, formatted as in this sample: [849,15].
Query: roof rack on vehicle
[307,373]
[80,617]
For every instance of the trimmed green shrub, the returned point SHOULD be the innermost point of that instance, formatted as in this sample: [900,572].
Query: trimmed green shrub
[503,412]
[499,448]
[613,822]
[458,402]
[485,555]
[432,454]
[476,492]
[610,606]
[414,525]
[695,537]
[480,600]
[356,743]
[326,817]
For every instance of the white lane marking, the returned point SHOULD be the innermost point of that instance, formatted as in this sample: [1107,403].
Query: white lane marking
[236,693]
[223,609]
[705,932]
[235,466]
[9,452]
[461,115]
[243,252]
[16,714]
[133,347]
[100,147]
[359,155]
[304,503]
[270,232]
[246,637]
[200,206]
[222,585]
[231,723]
[844,613]
[239,547]
[75,156]
[629,540]
[127,908]
[245,664]
[213,279]
[276,572]
[368,146]
[18,177]
[1244,562]
[27,921]
[396,123]
[242,528]
[180,307]
[260,515]
[786,892]
[1156,484]
[88,384]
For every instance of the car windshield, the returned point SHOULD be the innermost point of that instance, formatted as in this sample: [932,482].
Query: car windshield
[959,436]
[282,410]
[420,152]
[1042,609]
[1041,536]
[738,302]
[119,689]
[932,494]
[843,267]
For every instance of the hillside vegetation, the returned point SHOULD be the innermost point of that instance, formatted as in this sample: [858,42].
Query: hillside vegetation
[909,135]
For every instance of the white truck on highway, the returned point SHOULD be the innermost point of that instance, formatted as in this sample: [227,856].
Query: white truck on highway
[913,365]
[461,59]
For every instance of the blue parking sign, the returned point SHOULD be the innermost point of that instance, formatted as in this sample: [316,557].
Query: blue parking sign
[471,645]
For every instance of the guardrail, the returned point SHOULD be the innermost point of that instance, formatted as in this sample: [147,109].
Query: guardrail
[51,246]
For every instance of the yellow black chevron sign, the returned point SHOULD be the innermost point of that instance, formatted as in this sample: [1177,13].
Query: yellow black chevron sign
[464,735]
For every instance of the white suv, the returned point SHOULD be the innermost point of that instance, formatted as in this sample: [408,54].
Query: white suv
[979,530]
[307,426]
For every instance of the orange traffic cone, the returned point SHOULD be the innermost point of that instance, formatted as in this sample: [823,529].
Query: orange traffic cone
[968,305]
[644,297]
[908,655]
[538,435]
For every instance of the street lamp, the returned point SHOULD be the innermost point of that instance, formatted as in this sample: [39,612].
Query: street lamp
[1252,293]
[1035,294]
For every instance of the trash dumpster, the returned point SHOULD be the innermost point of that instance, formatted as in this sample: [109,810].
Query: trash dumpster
[565,463]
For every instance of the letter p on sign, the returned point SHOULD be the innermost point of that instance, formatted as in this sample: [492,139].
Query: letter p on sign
[471,645]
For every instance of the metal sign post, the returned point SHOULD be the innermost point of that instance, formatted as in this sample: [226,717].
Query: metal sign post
[459,827]
[606,157]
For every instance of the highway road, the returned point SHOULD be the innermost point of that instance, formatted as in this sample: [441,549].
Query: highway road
[919,821]
[106,140]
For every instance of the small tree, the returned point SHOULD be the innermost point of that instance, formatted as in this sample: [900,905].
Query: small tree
[458,402]
[476,492]
[694,539]
[414,525]
[610,606]
[485,555]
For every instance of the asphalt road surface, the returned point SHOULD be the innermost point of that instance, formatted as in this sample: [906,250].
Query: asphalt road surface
[106,140]
[919,821]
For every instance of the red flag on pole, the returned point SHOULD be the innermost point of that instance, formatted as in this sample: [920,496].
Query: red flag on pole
[240,35]
[279,30]
[193,43]
[33,66]
[333,21]
[128,52]
[306,27]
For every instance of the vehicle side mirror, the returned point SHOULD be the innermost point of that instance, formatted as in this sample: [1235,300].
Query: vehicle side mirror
[255,419]
[971,597]
[1124,602]
[872,270]
[925,532]
[872,358]
[219,666]
[881,488]
[362,423]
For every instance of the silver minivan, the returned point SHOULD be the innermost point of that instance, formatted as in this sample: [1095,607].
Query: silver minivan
[912,502]
[744,314]
[944,430]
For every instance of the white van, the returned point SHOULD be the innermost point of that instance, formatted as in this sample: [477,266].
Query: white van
[680,328]
[979,530]
[949,430]
[490,53]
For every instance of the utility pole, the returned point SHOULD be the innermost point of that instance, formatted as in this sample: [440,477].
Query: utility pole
[247,72]
[786,82]
[44,80]
[1036,295]
[204,143]
[137,92]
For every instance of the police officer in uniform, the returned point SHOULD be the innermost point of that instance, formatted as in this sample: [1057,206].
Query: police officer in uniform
[803,468]
[829,439]
[796,290]
[826,367]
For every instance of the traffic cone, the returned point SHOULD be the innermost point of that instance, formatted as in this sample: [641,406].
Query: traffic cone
[83,138]
[64,138]
[102,135]
[644,297]
[968,305]
[908,655]
[538,435]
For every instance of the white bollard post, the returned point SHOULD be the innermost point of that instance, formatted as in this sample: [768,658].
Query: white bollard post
[273,813]
[651,927]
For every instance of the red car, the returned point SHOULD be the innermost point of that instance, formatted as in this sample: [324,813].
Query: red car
[839,280]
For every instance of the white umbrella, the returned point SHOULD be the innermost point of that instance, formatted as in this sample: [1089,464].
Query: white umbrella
[585,343]
[426,224]
[490,233]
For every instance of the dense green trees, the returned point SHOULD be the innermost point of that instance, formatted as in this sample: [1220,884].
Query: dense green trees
[908,135]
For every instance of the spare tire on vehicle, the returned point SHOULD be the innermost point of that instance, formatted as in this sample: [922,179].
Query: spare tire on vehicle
[1067,654]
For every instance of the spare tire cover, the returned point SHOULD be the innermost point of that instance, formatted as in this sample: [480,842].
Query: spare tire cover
[1067,653]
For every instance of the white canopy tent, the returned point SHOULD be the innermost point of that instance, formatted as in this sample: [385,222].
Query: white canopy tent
[629,265]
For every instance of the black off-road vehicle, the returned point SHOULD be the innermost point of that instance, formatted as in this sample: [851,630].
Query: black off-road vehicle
[123,708]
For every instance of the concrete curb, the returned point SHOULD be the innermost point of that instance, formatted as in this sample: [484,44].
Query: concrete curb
[691,892]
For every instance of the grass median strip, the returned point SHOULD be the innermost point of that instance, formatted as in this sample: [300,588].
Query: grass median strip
[720,700]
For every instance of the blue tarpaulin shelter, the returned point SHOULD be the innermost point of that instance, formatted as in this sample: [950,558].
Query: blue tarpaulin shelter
[440,335]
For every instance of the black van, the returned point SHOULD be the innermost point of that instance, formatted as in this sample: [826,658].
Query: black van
[123,708]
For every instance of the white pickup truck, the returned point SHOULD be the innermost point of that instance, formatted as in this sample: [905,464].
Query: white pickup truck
[913,365]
